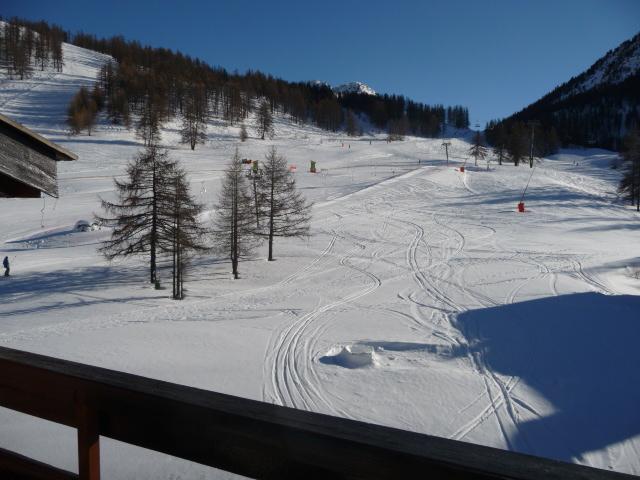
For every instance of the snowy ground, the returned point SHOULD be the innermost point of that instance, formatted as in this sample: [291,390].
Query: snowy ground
[422,300]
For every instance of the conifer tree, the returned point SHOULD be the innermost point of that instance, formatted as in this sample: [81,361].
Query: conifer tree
[140,216]
[82,112]
[194,117]
[148,124]
[398,128]
[41,54]
[630,182]
[234,229]
[285,210]
[264,120]
[351,124]
[500,142]
[184,233]
[56,53]
[243,133]
[97,95]
[329,114]
[478,150]
[516,144]
[118,108]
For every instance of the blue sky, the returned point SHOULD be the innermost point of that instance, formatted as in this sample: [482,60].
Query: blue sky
[494,56]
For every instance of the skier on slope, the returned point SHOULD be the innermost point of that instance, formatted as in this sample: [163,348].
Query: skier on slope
[5,264]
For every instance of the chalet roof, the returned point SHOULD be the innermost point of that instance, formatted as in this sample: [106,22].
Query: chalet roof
[60,152]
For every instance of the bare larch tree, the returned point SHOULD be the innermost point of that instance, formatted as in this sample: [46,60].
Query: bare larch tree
[478,150]
[234,227]
[264,120]
[139,216]
[185,232]
[194,117]
[285,211]
[630,182]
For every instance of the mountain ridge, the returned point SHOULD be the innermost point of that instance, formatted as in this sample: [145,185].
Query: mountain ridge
[354,87]
[595,108]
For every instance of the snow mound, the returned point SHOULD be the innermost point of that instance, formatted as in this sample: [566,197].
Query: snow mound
[351,356]
[81,233]
[354,87]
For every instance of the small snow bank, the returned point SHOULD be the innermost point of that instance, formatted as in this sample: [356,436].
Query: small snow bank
[82,232]
[391,355]
[351,356]
[622,275]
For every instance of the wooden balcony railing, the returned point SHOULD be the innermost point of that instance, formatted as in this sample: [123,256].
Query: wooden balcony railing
[243,436]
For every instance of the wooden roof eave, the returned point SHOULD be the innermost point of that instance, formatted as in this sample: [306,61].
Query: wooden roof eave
[52,192]
[62,154]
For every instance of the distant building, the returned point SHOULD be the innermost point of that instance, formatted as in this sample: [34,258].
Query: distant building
[28,162]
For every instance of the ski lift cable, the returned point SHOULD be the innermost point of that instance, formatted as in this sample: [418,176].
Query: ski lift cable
[527,185]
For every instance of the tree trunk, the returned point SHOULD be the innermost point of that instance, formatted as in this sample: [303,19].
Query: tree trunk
[255,201]
[174,272]
[271,218]
[234,231]
[154,219]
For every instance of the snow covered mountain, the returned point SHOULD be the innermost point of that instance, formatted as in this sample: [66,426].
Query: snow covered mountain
[614,68]
[597,107]
[354,87]
[320,83]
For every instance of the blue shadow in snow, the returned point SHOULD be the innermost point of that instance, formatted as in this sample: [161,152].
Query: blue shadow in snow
[86,282]
[580,352]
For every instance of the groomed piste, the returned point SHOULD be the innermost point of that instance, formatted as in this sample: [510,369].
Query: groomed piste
[422,299]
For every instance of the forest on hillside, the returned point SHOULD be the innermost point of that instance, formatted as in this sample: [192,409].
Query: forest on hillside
[596,108]
[151,85]
[25,46]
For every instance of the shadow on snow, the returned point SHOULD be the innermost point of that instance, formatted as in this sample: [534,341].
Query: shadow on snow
[81,282]
[580,352]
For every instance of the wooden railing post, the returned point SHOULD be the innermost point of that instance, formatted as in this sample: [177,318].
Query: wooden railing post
[88,442]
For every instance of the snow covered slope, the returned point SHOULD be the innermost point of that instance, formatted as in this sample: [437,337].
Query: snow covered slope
[615,67]
[354,87]
[422,300]
[41,101]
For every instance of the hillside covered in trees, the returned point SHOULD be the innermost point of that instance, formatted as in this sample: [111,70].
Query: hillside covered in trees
[146,86]
[596,108]
[25,46]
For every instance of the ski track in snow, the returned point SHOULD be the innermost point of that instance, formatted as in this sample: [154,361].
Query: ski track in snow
[293,373]
[416,246]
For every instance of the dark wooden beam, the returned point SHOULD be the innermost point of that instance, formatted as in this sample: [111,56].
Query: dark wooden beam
[14,466]
[34,140]
[12,188]
[28,166]
[252,438]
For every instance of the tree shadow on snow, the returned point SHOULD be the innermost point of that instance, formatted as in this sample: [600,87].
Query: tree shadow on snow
[580,352]
[38,286]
